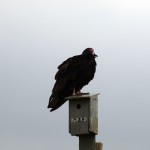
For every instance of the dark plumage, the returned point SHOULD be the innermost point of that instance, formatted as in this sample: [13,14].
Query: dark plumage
[72,75]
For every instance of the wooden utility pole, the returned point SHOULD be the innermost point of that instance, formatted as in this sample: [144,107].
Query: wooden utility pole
[83,120]
[99,146]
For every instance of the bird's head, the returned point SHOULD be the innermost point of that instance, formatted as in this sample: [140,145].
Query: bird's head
[89,51]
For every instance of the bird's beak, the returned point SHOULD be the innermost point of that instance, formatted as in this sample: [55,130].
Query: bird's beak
[95,55]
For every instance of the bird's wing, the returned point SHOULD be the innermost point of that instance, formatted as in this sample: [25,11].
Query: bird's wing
[65,80]
[67,72]
[62,68]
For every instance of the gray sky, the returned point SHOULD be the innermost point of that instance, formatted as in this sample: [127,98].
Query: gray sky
[37,35]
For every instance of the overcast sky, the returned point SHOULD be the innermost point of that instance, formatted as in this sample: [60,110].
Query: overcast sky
[37,35]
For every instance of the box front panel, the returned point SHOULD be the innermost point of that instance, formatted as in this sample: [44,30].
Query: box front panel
[79,116]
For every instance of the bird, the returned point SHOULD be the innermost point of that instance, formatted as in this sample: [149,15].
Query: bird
[72,75]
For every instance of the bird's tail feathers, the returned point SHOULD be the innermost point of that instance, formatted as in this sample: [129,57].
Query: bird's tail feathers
[55,102]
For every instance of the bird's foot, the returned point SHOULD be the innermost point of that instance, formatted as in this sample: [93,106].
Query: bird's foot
[79,94]
[85,93]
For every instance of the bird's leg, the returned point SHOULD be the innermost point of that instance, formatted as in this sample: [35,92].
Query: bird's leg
[74,92]
[78,93]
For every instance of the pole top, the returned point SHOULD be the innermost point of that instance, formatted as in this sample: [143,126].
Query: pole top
[81,96]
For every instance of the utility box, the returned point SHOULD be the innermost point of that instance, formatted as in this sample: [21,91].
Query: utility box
[83,114]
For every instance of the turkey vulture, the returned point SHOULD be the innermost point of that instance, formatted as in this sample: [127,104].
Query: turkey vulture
[72,75]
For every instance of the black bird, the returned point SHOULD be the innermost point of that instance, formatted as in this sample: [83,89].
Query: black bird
[72,75]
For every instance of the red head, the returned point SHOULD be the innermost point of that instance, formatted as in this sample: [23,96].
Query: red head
[88,51]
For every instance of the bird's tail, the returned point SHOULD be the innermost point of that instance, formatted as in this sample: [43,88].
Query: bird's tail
[55,102]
